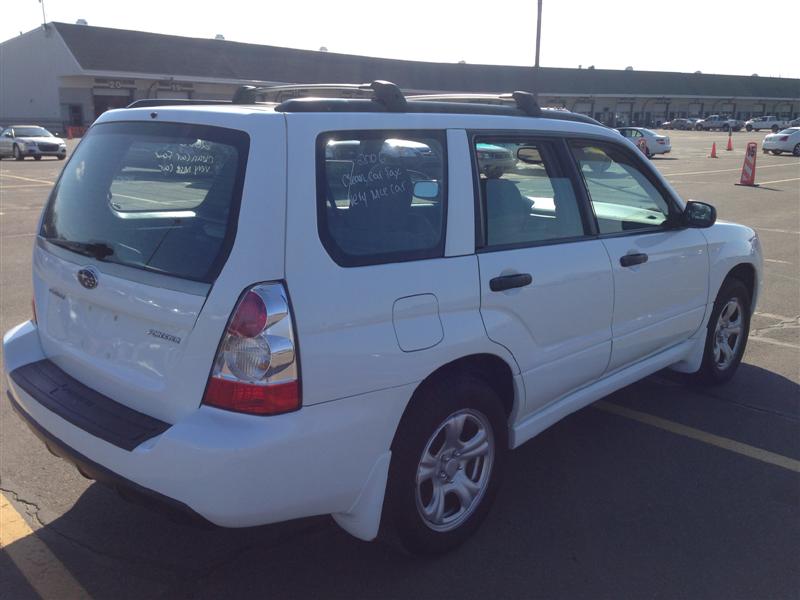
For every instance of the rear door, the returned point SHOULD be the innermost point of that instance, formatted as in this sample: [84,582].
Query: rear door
[134,235]
[660,271]
[546,284]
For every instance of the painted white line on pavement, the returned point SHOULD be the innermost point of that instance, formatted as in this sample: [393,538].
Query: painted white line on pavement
[728,170]
[778,181]
[775,260]
[26,178]
[758,338]
[777,230]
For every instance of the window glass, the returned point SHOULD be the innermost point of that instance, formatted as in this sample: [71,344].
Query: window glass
[622,197]
[157,196]
[381,196]
[526,199]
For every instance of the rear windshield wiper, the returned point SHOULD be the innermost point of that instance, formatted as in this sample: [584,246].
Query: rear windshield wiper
[99,250]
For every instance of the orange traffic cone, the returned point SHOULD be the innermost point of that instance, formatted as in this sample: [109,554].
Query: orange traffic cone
[713,151]
[730,142]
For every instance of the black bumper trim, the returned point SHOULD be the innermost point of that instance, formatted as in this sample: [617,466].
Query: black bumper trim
[126,488]
[82,406]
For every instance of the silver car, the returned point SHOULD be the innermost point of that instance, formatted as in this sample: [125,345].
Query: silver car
[20,141]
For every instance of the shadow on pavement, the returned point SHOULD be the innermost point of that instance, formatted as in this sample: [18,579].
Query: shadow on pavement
[597,506]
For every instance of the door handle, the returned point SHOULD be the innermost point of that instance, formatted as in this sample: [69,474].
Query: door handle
[507,282]
[630,260]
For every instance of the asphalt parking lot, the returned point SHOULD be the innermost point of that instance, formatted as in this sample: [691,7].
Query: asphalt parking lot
[658,491]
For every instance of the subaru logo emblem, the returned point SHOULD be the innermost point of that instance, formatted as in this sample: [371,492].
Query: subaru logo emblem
[88,277]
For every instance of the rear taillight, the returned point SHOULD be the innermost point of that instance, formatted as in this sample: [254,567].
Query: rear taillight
[255,370]
[783,138]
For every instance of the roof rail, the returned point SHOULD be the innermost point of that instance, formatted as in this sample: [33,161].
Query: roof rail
[150,102]
[384,92]
[524,101]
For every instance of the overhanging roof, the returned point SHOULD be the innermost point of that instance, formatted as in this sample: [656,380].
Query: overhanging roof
[120,50]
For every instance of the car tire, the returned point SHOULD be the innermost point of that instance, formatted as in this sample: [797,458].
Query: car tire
[436,499]
[774,129]
[62,156]
[724,344]
[726,127]
[796,150]
[749,128]
[775,152]
[17,154]
[37,158]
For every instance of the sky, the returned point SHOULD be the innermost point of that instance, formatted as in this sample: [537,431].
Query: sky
[736,37]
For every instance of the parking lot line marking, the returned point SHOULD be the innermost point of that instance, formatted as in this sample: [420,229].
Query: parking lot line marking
[702,436]
[778,230]
[775,260]
[728,170]
[758,338]
[27,185]
[137,198]
[26,178]
[43,571]
[778,181]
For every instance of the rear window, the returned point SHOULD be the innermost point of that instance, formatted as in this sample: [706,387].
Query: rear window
[157,196]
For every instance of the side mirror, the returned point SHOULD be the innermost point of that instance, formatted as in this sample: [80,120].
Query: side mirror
[427,190]
[698,214]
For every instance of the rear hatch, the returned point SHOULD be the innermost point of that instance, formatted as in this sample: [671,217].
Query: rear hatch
[134,235]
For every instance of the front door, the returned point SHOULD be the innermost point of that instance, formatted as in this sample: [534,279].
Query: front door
[660,271]
[546,284]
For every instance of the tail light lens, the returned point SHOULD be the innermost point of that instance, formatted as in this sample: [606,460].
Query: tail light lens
[783,138]
[256,369]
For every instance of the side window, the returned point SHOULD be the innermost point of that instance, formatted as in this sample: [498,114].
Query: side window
[381,195]
[623,198]
[526,199]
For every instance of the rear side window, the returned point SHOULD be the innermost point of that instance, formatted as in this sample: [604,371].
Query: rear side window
[381,195]
[162,197]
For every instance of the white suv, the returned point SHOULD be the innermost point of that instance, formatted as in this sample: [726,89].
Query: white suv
[256,312]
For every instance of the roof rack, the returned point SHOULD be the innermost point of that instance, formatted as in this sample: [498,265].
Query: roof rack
[524,101]
[380,96]
[389,95]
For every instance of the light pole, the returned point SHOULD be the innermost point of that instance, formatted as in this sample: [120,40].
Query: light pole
[538,32]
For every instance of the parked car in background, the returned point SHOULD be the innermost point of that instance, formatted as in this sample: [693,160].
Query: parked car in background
[668,124]
[718,122]
[656,143]
[682,124]
[794,122]
[768,122]
[787,140]
[20,141]
[494,160]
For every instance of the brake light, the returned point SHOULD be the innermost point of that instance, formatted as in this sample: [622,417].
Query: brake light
[255,370]
[662,141]
[783,138]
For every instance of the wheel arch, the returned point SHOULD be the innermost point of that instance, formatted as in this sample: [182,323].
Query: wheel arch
[490,368]
[746,273]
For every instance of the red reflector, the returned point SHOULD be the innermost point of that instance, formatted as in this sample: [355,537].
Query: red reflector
[253,399]
[783,138]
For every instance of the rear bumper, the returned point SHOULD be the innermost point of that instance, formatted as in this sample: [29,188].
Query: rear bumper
[231,469]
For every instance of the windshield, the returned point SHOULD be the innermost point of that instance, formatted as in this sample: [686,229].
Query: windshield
[32,132]
[157,196]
